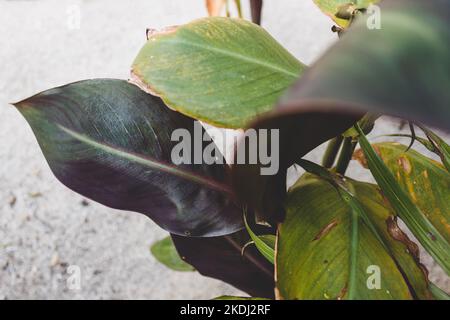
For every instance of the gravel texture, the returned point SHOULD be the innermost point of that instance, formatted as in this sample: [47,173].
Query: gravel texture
[44,227]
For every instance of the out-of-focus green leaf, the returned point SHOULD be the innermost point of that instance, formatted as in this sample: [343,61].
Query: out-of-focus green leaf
[331,7]
[219,70]
[326,249]
[164,251]
[264,243]
[426,182]
[111,142]
[238,298]
[418,222]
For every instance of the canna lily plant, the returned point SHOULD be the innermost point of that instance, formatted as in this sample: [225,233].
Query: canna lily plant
[328,236]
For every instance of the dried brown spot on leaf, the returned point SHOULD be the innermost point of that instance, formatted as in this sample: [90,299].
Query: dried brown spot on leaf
[326,230]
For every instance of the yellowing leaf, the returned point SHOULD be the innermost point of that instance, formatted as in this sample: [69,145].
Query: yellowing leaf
[326,250]
[331,7]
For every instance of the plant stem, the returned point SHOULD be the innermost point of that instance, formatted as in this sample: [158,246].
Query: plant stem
[346,155]
[331,152]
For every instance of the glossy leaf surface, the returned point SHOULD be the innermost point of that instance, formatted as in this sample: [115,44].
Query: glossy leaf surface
[111,142]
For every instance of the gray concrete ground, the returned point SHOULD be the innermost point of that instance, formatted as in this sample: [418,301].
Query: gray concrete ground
[44,227]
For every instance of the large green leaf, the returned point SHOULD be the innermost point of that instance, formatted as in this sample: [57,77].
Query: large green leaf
[219,70]
[166,253]
[419,224]
[326,249]
[400,69]
[331,7]
[426,181]
[256,10]
[111,142]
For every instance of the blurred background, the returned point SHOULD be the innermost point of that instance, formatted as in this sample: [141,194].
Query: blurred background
[45,227]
